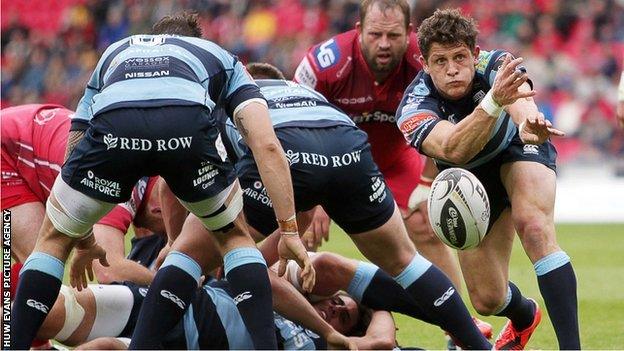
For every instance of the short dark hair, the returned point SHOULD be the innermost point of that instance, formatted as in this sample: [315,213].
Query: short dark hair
[447,27]
[365,315]
[182,23]
[261,70]
[385,5]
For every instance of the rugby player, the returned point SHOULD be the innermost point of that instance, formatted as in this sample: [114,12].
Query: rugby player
[34,138]
[331,165]
[365,72]
[474,109]
[112,310]
[146,111]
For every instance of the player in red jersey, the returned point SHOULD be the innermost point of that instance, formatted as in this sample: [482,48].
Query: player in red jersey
[365,72]
[33,146]
[34,138]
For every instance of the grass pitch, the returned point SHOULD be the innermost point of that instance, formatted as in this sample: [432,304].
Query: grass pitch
[597,253]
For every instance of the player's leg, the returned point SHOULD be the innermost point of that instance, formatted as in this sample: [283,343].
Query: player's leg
[26,221]
[176,280]
[69,217]
[402,179]
[485,270]
[427,285]
[531,187]
[244,267]
[361,204]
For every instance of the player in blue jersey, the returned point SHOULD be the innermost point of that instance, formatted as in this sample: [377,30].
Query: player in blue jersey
[474,109]
[213,321]
[332,166]
[147,110]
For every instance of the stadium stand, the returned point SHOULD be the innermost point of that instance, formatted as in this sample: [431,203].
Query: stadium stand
[574,49]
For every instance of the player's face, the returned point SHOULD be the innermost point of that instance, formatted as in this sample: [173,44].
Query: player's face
[452,68]
[383,38]
[340,311]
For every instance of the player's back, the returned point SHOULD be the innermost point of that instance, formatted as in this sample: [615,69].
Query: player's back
[159,70]
[337,69]
[33,143]
[293,104]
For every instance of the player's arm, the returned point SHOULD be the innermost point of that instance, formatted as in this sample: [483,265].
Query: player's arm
[120,268]
[174,214]
[251,116]
[533,127]
[380,334]
[459,143]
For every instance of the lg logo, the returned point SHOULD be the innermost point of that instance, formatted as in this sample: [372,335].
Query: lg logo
[325,55]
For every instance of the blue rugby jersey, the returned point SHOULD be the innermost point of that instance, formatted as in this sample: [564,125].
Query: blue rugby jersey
[291,105]
[422,107]
[290,335]
[295,105]
[161,70]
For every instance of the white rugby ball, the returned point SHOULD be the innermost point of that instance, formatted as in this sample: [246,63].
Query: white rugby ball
[459,208]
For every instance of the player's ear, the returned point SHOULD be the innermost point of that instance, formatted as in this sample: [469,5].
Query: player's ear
[476,52]
[423,62]
[358,26]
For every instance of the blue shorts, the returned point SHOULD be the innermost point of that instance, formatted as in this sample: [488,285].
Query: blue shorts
[180,143]
[489,173]
[330,166]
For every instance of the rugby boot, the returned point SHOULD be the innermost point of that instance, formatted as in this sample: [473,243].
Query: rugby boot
[512,339]
[484,327]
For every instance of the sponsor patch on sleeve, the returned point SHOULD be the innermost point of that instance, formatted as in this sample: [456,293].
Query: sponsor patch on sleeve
[327,54]
[305,74]
[412,123]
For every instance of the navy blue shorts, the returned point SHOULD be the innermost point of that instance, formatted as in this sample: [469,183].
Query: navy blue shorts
[180,143]
[489,173]
[330,166]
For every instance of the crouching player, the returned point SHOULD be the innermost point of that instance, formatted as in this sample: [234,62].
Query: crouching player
[474,109]
[331,165]
[34,138]
[125,129]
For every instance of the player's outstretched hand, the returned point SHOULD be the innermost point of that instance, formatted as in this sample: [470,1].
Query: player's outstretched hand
[337,341]
[319,229]
[509,78]
[537,129]
[290,247]
[86,251]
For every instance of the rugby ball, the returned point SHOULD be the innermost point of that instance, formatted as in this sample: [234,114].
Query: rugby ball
[459,208]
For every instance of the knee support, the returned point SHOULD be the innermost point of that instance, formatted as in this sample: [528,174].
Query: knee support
[73,314]
[75,213]
[213,212]
[113,307]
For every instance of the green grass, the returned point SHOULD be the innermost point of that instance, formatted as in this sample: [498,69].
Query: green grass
[597,253]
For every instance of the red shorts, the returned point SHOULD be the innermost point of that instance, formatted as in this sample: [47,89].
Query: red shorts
[403,175]
[15,190]
[33,148]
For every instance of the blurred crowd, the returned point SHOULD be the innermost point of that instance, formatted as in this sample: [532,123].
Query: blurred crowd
[574,50]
